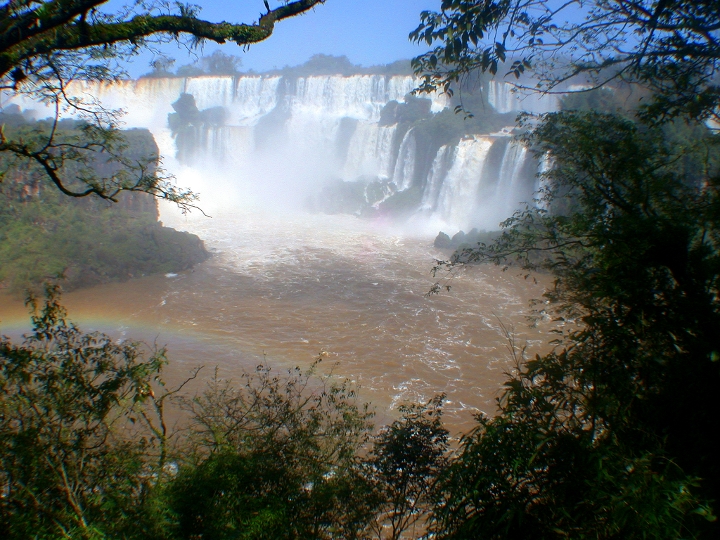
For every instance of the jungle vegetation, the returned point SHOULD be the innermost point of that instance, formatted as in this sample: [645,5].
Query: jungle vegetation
[607,436]
[610,435]
[83,241]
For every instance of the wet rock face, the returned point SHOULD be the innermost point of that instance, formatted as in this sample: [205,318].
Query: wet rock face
[461,240]
[361,197]
[458,238]
[442,241]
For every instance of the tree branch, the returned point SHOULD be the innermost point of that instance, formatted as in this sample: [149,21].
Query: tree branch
[32,35]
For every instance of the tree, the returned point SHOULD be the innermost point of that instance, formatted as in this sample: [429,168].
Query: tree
[550,465]
[44,234]
[161,66]
[82,438]
[629,229]
[219,63]
[407,458]
[617,417]
[670,46]
[275,457]
[86,451]
[46,44]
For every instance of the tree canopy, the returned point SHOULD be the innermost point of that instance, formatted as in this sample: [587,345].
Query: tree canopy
[671,46]
[609,434]
[34,33]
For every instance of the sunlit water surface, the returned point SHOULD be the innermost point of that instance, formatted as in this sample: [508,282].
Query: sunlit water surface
[281,290]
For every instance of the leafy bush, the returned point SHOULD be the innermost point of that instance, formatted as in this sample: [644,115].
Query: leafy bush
[275,457]
[78,451]
[607,436]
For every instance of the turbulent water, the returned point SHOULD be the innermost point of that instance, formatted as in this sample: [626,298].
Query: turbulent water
[285,285]
[293,287]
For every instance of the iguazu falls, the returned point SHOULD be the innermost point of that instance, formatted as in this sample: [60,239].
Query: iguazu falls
[320,198]
[279,140]
[359,270]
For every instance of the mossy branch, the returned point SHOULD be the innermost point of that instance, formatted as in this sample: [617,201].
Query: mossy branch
[62,25]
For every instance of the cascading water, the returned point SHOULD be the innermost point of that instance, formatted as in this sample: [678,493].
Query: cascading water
[370,151]
[467,185]
[460,187]
[246,98]
[505,98]
[283,138]
[437,173]
[291,284]
[510,168]
[405,164]
[512,185]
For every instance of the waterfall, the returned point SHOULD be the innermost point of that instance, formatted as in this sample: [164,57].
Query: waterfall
[435,178]
[145,102]
[360,96]
[479,182]
[504,99]
[463,181]
[284,138]
[513,186]
[405,165]
[510,167]
[370,151]
[211,91]
[230,144]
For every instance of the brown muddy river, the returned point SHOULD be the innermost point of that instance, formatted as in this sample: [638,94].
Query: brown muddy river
[281,290]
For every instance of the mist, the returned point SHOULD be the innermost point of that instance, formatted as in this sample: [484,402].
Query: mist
[284,144]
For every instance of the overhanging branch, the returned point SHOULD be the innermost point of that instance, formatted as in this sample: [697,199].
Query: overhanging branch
[26,37]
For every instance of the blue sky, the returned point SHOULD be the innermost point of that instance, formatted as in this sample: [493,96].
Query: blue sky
[368,32]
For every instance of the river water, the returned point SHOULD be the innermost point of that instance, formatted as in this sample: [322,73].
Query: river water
[283,289]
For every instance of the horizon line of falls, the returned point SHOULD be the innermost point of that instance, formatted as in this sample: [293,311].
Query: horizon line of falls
[281,139]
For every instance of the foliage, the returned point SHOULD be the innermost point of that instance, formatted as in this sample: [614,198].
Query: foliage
[44,234]
[328,64]
[618,416]
[323,64]
[551,465]
[606,436]
[218,63]
[86,452]
[603,100]
[46,44]
[77,457]
[276,458]
[189,70]
[406,459]
[161,66]
[669,46]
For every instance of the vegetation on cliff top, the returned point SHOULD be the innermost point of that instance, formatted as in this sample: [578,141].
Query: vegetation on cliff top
[44,234]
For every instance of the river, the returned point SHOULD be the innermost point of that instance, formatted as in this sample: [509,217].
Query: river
[281,289]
